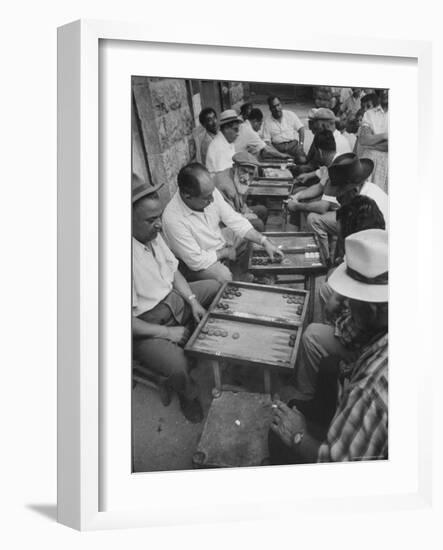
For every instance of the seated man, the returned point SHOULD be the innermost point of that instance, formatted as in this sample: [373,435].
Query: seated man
[347,178]
[284,130]
[319,120]
[208,121]
[249,139]
[233,184]
[358,428]
[222,149]
[191,224]
[164,305]
[314,200]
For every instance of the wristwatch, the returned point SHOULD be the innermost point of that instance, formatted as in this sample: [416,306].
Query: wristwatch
[298,437]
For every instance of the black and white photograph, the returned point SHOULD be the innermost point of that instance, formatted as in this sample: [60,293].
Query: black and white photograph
[260,219]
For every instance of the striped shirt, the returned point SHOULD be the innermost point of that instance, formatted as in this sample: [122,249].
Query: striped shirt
[359,429]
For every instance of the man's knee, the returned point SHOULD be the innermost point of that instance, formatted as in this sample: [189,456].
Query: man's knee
[205,290]
[220,273]
[313,221]
[258,225]
[261,211]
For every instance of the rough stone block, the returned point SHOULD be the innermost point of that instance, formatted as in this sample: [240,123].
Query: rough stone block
[174,126]
[168,94]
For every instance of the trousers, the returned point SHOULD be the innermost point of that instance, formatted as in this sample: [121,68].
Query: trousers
[325,227]
[163,356]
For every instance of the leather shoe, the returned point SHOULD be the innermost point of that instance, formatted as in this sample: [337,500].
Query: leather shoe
[191,409]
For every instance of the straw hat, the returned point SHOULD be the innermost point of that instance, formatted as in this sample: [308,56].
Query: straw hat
[364,274]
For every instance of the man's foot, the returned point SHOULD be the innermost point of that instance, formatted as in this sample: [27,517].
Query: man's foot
[191,409]
[165,393]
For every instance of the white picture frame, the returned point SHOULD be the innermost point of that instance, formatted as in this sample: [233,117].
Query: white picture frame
[81,297]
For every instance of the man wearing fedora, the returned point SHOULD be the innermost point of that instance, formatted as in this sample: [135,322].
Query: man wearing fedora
[356,426]
[192,221]
[222,149]
[233,184]
[164,305]
[284,130]
[347,178]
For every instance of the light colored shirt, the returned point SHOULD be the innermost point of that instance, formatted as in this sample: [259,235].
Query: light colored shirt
[219,154]
[352,138]
[195,237]
[283,130]
[376,119]
[341,144]
[249,140]
[377,194]
[153,271]
[205,141]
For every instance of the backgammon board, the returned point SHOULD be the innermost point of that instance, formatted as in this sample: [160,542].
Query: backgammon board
[266,188]
[302,255]
[252,324]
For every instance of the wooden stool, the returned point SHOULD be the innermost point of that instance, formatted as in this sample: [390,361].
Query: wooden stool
[236,430]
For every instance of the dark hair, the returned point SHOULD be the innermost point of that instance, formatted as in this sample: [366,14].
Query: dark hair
[245,108]
[352,126]
[187,178]
[204,113]
[359,214]
[255,114]
[373,98]
[324,140]
[271,99]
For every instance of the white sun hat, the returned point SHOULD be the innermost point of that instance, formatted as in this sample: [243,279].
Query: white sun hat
[364,274]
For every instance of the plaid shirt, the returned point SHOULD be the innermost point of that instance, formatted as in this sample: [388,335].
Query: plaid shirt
[352,337]
[359,429]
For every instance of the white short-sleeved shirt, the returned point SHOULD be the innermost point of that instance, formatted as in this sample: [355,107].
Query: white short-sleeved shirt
[377,194]
[153,271]
[220,153]
[376,119]
[372,191]
[248,140]
[341,144]
[283,130]
[195,237]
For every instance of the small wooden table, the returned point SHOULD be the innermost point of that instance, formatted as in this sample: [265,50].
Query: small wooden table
[271,191]
[253,325]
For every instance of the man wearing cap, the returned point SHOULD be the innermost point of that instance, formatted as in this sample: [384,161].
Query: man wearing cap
[357,427]
[222,149]
[191,223]
[324,119]
[164,305]
[249,139]
[233,184]
[319,120]
[284,130]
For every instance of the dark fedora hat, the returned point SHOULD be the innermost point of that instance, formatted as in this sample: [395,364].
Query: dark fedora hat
[349,170]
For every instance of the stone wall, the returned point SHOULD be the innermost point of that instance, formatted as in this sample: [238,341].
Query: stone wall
[166,124]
